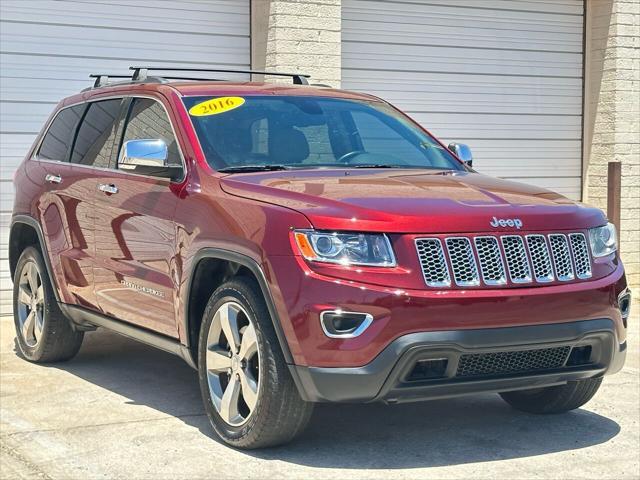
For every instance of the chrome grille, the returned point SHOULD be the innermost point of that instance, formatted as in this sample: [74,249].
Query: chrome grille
[517,261]
[491,264]
[434,265]
[581,257]
[540,259]
[463,263]
[561,257]
[493,260]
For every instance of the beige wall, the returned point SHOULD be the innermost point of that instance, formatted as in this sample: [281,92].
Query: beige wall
[299,36]
[612,115]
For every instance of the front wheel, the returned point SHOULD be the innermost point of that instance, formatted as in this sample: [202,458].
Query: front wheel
[558,399]
[248,392]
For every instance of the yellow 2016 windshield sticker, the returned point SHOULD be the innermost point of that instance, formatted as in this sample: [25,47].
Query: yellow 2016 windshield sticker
[215,106]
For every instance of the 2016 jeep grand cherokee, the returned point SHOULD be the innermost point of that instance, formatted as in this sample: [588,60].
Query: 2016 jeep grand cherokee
[299,244]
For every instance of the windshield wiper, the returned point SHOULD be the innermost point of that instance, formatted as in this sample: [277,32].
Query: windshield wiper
[253,168]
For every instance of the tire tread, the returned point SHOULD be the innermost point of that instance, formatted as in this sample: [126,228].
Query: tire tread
[558,399]
[283,414]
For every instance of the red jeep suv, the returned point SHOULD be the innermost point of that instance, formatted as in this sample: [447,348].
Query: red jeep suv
[299,244]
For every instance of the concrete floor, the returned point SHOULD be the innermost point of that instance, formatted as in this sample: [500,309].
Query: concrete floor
[124,410]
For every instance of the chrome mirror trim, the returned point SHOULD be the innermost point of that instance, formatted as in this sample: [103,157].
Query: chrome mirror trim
[462,151]
[144,152]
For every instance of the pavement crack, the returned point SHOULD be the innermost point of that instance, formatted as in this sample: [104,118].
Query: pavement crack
[98,425]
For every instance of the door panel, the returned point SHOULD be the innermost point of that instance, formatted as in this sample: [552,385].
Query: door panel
[135,246]
[135,233]
[67,222]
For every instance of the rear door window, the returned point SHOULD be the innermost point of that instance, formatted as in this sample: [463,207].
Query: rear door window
[57,141]
[95,142]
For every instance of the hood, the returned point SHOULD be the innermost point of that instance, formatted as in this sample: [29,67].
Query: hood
[410,201]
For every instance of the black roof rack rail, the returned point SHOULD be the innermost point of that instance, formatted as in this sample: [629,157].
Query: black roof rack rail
[102,79]
[140,73]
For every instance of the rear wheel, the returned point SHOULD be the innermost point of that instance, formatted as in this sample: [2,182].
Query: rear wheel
[44,334]
[249,395]
[558,399]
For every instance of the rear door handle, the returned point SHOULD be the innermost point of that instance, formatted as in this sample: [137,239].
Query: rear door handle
[52,178]
[109,188]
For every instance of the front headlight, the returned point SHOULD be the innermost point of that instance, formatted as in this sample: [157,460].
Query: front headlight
[603,240]
[371,249]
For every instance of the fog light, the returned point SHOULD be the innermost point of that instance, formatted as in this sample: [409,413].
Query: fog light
[624,304]
[341,324]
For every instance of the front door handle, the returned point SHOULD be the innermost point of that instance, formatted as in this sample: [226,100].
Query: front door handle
[52,178]
[109,188]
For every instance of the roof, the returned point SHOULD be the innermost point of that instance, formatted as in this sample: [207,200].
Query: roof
[260,88]
[216,88]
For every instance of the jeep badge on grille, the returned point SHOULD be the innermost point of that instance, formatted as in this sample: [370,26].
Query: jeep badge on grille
[506,222]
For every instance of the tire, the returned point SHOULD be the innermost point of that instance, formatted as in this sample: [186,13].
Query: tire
[48,336]
[559,399]
[250,397]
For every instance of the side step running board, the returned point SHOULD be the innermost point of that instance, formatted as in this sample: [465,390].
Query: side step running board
[84,318]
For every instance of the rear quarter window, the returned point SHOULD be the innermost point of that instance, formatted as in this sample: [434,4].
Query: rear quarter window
[57,141]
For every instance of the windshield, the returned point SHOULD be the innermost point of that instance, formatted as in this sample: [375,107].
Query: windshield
[310,132]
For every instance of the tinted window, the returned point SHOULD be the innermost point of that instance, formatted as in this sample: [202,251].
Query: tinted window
[94,143]
[314,132]
[148,120]
[55,144]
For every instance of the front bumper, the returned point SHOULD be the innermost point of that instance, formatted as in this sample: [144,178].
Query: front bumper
[386,377]
[302,295]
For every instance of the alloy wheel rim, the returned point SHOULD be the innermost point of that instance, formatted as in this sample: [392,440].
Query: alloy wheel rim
[233,364]
[30,304]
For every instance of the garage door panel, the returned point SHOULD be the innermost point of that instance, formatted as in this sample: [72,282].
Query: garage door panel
[571,7]
[564,186]
[219,17]
[80,42]
[401,58]
[507,104]
[430,33]
[23,117]
[504,76]
[505,158]
[474,15]
[449,125]
[8,165]
[427,83]
[14,144]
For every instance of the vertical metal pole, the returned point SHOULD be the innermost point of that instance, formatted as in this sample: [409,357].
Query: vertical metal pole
[614,187]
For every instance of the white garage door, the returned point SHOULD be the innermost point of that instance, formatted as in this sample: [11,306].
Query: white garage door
[48,49]
[504,76]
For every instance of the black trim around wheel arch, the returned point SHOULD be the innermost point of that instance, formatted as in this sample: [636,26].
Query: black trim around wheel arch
[383,379]
[32,222]
[254,267]
[83,317]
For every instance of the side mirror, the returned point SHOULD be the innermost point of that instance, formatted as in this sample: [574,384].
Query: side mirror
[463,152]
[148,157]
